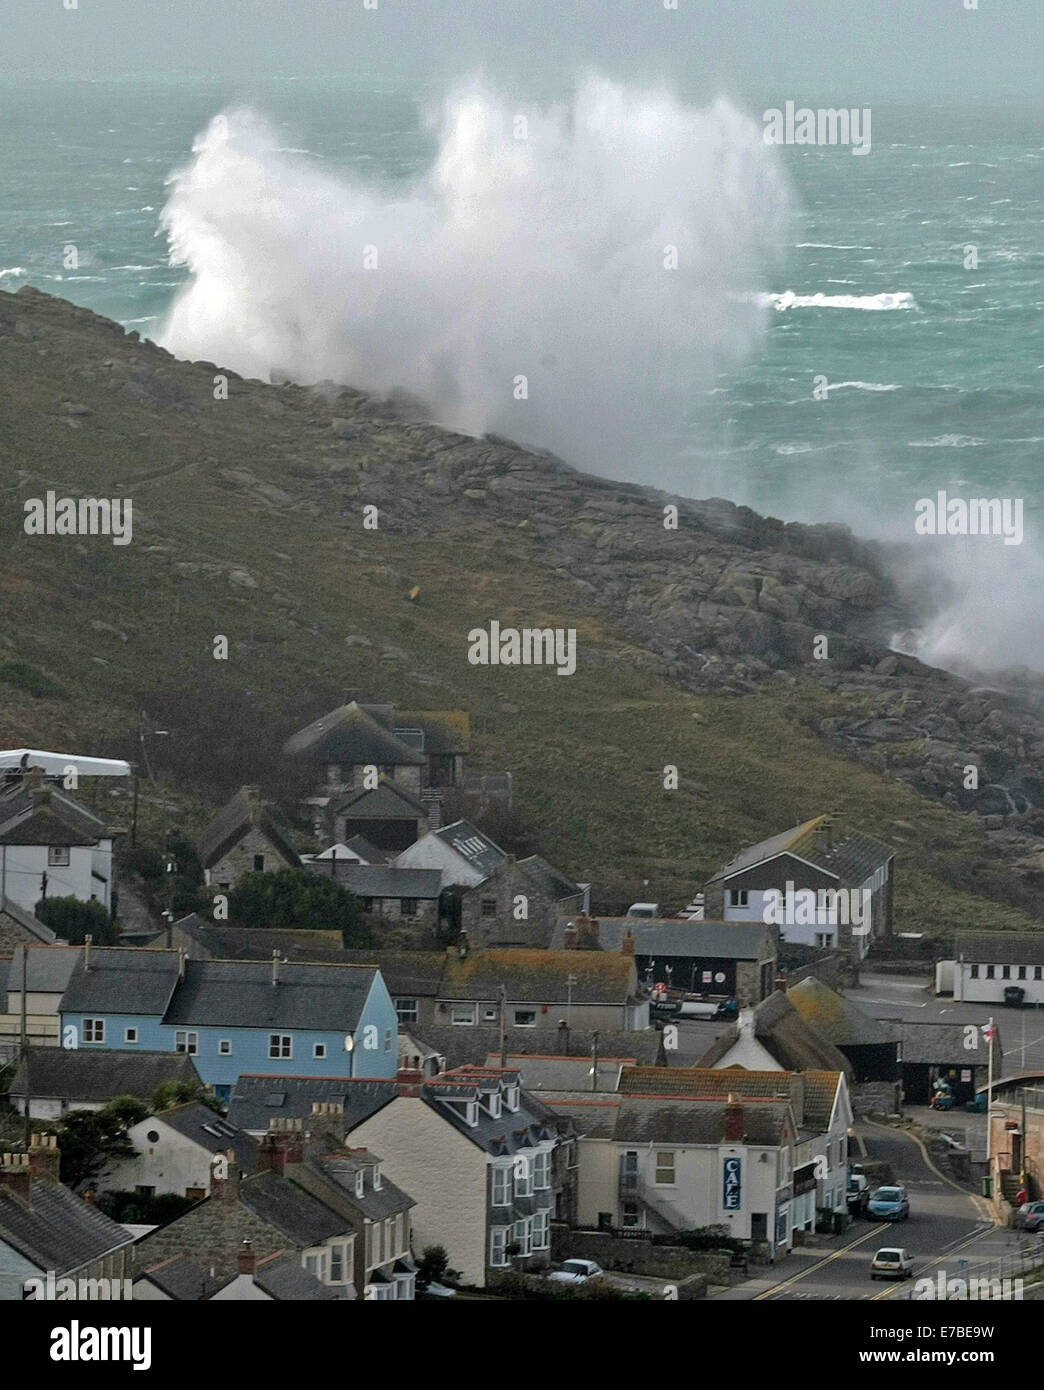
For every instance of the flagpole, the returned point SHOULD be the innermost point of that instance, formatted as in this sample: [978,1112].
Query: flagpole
[989,1107]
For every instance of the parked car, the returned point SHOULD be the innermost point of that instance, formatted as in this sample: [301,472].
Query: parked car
[1013,996]
[1029,1217]
[891,1262]
[889,1204]
[857,1194]
[576,1272]
[726,1009]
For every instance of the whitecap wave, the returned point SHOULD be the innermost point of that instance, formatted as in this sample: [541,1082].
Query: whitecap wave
[788,299]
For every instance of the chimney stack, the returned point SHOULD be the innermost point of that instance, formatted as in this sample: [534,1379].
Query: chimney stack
[283,1144]
[226,1189]
[409,1081]
[252,797]
[43,1154]
[733,1121]
[247,1259]
[627,947]
[570,937]
[327,1118]
[17,1176]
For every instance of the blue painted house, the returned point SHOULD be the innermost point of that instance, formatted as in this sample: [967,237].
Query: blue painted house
[234,1016]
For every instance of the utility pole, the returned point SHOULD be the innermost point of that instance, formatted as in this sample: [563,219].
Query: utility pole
[502,991]
[989,1104]
[24,1048]
[570,982]
[594,1061]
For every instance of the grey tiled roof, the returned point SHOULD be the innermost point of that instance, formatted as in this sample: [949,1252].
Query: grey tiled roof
[48,971]
[383,880]
[552,880]
[204,1127]
[665,937]
[387,801]
[477,849]
[52,819]
[240,994]
[233,819]
[220,942]
[258,1099]
[999,947]
[284,1277]
[89,1074]
[30,924]
[460,1045]
[290,1210]
[122,979]
[641,1121]
[787,1035]
[341,1169]
[351,735]
[183,1279]
[944,1044]
[412,974]
[60,1231]
[509,1133]
[850,855]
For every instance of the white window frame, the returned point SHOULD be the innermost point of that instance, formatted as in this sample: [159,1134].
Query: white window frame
[541,1170]
[360,1183]
[498,1243]
[502,1185]
[739,897]
[58,856]
[389,1039]
[470,1009]
[224,1047]
[511,1098]
[542,1230]
[276,1043]
[94,1030]
[523,1233]
[525,1013]
[186,1041]
[344,1249]
[130,1035]
[318,1052]
[406,1010]
[378,1180]
[522,1171]
[673,1166]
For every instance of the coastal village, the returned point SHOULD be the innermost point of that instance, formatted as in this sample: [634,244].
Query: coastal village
[481,1086]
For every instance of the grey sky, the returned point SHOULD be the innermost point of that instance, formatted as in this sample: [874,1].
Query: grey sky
[843,52]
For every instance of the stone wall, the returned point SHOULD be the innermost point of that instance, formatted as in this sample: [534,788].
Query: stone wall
[638,1255]
[876,1098]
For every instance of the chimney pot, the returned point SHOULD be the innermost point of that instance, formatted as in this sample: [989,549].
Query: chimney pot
[247,1259]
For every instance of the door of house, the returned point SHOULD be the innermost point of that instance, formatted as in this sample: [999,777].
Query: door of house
[759,1225]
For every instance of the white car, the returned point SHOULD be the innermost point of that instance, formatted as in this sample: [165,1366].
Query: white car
[891,1262]
[576,1272]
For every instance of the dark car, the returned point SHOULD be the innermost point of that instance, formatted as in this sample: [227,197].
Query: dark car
[858,1194]
[1030,1217]
[1013,996]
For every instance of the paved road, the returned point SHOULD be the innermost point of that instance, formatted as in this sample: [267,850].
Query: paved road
[943,1221]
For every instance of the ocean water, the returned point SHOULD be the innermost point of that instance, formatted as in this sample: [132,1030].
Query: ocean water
[934,372]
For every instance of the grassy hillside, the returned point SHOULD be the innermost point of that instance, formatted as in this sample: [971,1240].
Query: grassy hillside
[248,523]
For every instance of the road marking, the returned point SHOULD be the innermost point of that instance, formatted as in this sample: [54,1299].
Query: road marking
[796,1278]
[948,1250]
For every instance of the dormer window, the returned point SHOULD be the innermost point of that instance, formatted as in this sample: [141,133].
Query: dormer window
[511,1097]
[471,1113]
[494,1106]
[377,1179]
[359,1184]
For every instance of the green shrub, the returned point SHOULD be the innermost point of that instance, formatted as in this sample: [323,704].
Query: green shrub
[29,679]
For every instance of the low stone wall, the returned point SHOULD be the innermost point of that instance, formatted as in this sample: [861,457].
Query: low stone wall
[638,1255]
[832,970]
[877,1098]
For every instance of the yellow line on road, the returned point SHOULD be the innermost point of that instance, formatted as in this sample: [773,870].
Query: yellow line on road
[932,1260]
[834,1254]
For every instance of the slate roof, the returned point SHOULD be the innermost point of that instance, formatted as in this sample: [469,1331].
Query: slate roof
[551,880]
[475,848]
[836,1018]
[384,880]
[94,1074]
[592,1116]
[29,924]
[811,1094]
[237,816]
[944,1043]
[183,1279]
[294,1213]
[284,1278]
[48,971]
[41,814]
[540,976]
[256,1099]
[340,1169]
[413,974]
[445,731]
[240,994]
[851,856]
[786,1034]
[386,801]
[643,1121]
[563,1073]
[509,1133]
[209,940]
[351,735]
[123,980]
[210,1131]
[370,854]
[60,1231]
[665,937]
[460,1045]
[999,947]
